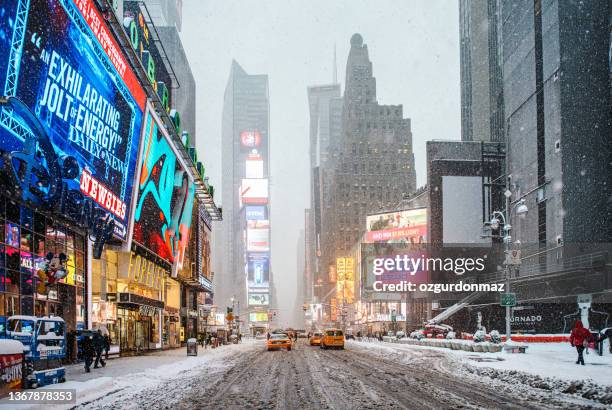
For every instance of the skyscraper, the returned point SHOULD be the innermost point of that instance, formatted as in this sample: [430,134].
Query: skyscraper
[373,165]
[482,105]
[243,275]
[325,104]
[555,65]
[556,79]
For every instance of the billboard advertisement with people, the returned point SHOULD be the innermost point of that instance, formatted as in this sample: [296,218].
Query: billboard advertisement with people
[409,227]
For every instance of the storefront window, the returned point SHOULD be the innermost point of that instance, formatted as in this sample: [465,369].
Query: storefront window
[12,212]
[39,245]
[27,305]
[26,236]
[26,240]
[12,258]
[26,284]
[12,234]
[11,303]
[12,281]
[40,308]
[27,218]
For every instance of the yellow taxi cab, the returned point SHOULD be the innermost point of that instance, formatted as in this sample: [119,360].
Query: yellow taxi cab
[332,338]
[315,339]
[278,341]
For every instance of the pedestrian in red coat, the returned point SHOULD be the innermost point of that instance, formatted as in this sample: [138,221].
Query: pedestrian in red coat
[580,338]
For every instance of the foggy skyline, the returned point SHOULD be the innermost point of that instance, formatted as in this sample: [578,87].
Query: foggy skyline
[414,48]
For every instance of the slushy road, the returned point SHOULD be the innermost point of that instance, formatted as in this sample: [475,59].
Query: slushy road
[308,377]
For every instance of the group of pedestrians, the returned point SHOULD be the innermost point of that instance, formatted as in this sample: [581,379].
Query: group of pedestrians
[94,346]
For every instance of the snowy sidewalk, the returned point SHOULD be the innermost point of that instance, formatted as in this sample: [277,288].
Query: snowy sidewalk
[131,364]
[557,360]
[137,372]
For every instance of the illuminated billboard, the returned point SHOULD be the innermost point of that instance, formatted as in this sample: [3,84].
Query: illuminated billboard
[258,271]
[254,191]
[258,317]
[254,166]
[258,236]
[162,218]
[409,226]
[259,299]
[255,213]
[65,66]
[345,283]
[250,139]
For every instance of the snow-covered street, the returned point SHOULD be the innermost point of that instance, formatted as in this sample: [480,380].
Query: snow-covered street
[364,375]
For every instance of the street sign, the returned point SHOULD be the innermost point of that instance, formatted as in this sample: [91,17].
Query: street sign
[229,317]
[513,257]
[508,299]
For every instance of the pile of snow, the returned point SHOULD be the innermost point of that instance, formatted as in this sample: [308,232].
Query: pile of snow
[454,344]
[8,346]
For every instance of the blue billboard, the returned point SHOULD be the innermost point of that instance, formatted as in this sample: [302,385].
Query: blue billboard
[60,60]
[255,213]
[258,270]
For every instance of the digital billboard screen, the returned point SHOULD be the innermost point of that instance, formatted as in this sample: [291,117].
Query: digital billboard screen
[254,191]
[258,270]
[250,139]
[409,226]
[254,166]
[255,213]
[345,284]
[259,299]
[65,66]
[258,236]
[258,317]
[164,206]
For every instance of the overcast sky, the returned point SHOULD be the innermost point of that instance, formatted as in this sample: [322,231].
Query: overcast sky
[414,48]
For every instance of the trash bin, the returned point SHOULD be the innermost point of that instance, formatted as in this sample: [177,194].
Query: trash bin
[192,347]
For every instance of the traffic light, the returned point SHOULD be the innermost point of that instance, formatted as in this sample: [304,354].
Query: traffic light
[230,310]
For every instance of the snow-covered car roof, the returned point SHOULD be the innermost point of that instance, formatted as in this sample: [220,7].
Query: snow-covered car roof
[22,317]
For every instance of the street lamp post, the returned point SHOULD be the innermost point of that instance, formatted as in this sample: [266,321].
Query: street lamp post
[505,219]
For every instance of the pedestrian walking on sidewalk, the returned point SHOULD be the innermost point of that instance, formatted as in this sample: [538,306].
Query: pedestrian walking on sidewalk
[580,338]
[208,341]
[99,345]
[107,343]
[70,346]
[88,352]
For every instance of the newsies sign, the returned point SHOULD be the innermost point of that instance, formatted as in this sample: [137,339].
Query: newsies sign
[71,116]
[141,39]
